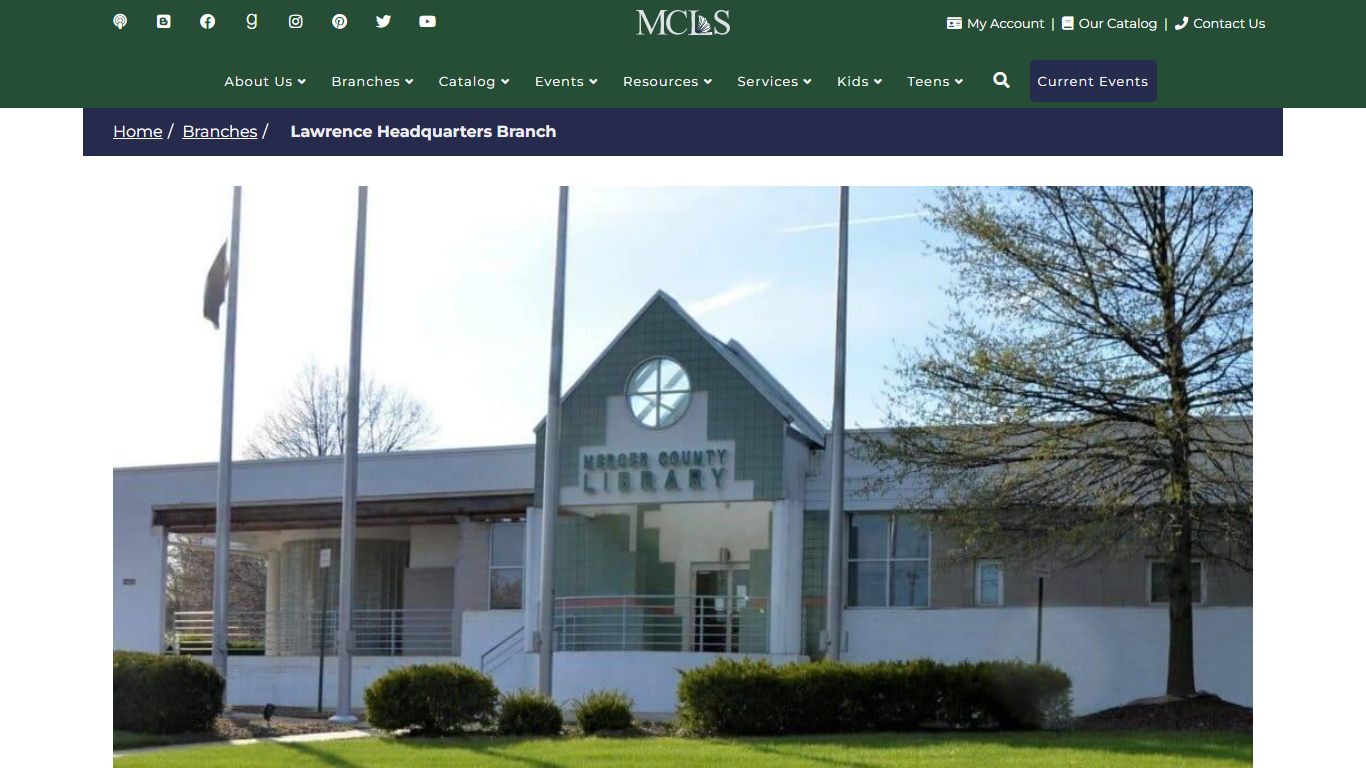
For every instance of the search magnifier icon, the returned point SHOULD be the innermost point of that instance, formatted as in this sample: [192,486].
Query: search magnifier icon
[1000,79]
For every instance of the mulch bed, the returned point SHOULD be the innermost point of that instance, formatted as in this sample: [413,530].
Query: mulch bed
[239,727]
[306,713]
[1201,712]
[246,725]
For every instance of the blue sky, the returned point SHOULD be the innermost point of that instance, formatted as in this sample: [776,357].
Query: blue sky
[458,290]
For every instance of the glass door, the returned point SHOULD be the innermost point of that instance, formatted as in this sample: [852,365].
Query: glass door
[720,591]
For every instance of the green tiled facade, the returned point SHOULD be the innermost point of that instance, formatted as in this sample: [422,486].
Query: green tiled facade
[736,411]
[594,557]
[815,548]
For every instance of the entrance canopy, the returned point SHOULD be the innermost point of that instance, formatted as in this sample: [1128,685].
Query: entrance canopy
[199,518]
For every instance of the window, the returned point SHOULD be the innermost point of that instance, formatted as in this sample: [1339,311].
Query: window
[889,561]
[990,586]
[658,392]
[1157,581]
[505,565]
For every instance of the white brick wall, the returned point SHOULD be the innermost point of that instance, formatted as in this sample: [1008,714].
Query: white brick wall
[1113,655]
[292,681]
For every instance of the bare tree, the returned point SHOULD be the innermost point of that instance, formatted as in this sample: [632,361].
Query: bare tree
[311,421]
[189,577]
[1093,387]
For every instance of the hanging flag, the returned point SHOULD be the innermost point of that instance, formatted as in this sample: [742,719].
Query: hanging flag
[216,286]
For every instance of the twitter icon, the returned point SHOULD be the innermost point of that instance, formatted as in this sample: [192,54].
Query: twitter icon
[382,21]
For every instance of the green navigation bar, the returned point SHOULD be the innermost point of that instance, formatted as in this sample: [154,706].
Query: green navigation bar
[726,53]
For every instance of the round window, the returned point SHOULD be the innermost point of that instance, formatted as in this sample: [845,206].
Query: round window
[658,392]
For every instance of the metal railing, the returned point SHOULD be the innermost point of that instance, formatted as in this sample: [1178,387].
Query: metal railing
[699,623]
[501,651]
[375,632]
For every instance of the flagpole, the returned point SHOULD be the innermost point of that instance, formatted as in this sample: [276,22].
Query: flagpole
[223,517]
[348,521]
[550,485]
[834,579]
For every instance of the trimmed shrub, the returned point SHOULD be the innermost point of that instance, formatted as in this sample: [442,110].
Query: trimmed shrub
[527,713]
[824,697]
[1020,695]
[600,711]
[733,696]
[165,694]
[965,697]
[747,697]
[902,695]
[432,698]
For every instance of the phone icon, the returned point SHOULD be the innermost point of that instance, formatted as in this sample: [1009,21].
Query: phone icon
[1184,21]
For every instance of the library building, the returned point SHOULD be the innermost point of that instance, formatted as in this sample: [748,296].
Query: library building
[692,523]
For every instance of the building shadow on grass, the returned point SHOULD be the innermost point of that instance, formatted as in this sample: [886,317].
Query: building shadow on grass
[1168,745]
[484,746]
[310,749]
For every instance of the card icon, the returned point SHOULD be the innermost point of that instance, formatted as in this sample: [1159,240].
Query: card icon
[953,22]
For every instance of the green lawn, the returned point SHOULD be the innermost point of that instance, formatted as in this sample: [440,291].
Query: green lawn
[958,750]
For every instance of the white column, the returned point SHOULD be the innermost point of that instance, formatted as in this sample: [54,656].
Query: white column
[785,584]
[161,589]
[273,602]
[531,579]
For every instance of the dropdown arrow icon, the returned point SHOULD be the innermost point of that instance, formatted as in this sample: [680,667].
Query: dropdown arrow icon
[592,81]
[505,81]
[303,80]
[877,81]
[958,80]
[408,80]
[806,81]
[707,80]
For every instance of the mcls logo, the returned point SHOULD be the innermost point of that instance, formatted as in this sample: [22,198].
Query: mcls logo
[682,22]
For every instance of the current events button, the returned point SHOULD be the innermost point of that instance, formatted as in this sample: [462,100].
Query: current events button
[1093,81]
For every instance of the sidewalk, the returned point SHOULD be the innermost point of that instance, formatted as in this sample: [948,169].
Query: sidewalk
[355,733]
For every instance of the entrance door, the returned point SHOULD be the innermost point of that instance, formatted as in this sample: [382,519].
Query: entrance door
[720,592]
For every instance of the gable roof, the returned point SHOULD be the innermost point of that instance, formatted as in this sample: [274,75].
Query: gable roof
[739,358]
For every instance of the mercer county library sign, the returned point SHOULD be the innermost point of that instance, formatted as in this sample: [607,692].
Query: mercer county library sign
[669,472]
